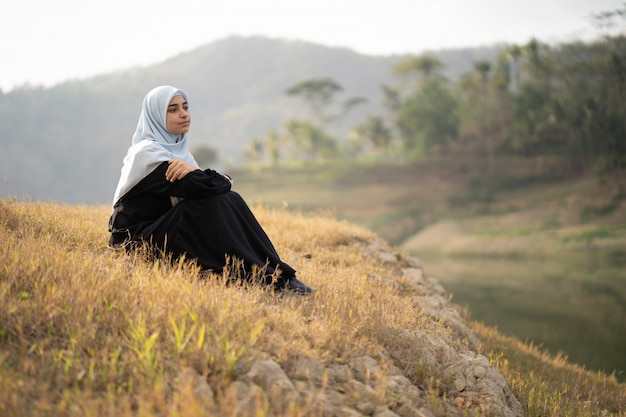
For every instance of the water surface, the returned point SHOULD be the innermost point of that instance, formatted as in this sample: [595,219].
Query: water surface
[577,306]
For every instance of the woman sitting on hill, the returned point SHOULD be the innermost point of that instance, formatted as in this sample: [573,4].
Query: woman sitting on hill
[164,199]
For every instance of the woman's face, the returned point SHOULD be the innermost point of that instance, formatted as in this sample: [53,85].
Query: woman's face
[178,118]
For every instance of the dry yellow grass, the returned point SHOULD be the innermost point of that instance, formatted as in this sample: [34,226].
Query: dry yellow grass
[549,385]
[89,331]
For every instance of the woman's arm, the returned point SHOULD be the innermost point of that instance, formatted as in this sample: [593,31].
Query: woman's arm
[174,179]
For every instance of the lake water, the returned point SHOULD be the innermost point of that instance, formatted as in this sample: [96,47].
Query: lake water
[577,307]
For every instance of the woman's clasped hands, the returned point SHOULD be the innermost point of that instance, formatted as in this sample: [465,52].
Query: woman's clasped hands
[177,170]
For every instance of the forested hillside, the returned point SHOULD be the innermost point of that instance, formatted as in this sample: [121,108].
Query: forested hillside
[277,102]
[66,143]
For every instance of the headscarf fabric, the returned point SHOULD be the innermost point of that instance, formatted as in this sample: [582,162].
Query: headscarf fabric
[152,143]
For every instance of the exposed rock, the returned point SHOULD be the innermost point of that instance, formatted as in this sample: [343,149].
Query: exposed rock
[244,398]
[339,373]
[402,392]
[366,407]
[188,377]
[385,412]
[271,378]
[387,257]
[347,412]
[475,382]
[308,369]
[365,369]
[478,383]
[424,412]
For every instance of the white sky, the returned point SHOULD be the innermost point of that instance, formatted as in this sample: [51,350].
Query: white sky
[48,41]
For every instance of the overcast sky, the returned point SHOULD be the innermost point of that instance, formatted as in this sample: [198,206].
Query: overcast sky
[48,41]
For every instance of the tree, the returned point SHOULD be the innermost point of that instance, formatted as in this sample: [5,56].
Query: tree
[319,94]
[375,131]
[426,66]
[483,68]
[273,144]
[309,139]
[513,55]
[426,116]
[428,119]
[607,20]
[571,102]
[254,151]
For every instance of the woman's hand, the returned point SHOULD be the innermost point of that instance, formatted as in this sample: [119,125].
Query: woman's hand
[177,170]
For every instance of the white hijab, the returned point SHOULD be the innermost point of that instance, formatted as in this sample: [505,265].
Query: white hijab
[152,143]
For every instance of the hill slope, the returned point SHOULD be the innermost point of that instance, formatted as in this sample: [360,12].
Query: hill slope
[91,331]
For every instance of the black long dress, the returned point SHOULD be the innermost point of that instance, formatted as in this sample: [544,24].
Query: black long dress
[210,224]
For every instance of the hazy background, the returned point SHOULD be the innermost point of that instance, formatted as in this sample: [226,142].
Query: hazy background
[44,42]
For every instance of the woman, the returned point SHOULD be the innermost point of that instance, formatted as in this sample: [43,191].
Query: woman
[164,199]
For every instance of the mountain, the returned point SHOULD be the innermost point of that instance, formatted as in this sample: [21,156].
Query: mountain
[66,142]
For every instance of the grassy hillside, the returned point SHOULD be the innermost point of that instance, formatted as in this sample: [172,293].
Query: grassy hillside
[85,330]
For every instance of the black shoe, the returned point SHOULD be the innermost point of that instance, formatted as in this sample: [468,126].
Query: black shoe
[297,287]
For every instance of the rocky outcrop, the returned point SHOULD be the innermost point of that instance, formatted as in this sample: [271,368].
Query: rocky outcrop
[474,382]
[373,386]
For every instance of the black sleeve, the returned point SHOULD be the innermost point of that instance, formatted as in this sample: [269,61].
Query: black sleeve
[196,184]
